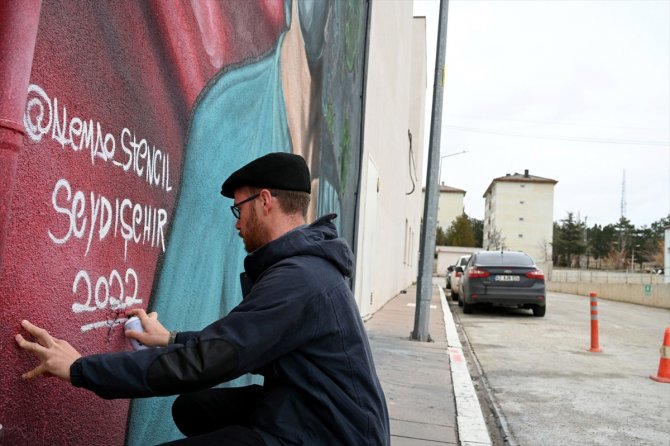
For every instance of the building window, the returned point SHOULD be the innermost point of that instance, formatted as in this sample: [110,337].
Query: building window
[520,235]
[521,202]
[520,218]
[522,185]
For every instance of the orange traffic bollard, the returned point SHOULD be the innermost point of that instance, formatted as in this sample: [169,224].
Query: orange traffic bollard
[663,375]
[595,347]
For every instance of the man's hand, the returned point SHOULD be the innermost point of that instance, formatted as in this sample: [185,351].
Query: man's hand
[155,335]
[55,355]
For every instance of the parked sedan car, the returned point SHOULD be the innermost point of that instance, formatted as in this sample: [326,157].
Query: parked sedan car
[450,271]
[456,276]
[507,278]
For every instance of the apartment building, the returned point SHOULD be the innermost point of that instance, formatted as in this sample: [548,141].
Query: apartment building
[449,204]
[519,215]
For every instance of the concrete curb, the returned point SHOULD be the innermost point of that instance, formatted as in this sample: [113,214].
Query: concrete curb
[471,425]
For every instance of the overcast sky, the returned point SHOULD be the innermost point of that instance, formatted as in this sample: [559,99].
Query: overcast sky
[576,91]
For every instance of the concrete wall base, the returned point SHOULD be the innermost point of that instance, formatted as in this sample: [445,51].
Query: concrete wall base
[651,295]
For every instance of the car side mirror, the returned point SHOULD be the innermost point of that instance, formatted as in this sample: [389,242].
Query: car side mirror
[459,269]
[450,269]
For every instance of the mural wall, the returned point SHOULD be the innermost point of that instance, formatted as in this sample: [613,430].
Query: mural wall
[134,115]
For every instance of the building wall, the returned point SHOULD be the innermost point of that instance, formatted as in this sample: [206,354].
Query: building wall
[666,270]
[657,295]
[449,255]
[523,214]
[391,179]
[134,115]
[449,205]
[417,107]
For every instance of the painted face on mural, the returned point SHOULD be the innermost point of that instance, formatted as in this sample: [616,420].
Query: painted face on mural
[249,226]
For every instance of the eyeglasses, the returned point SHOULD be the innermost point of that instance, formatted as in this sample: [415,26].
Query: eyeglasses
[235,208]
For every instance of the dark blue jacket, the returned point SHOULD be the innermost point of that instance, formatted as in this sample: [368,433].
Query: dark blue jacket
[298,326]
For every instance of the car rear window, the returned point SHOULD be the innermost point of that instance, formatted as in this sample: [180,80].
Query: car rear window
[504,259]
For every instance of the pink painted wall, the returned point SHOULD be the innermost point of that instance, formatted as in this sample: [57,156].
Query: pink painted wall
[115,136]
[126,74]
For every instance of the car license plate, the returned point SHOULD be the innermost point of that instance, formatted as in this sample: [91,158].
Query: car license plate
[501,278]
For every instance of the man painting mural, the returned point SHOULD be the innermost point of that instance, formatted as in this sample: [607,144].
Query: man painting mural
[297,326]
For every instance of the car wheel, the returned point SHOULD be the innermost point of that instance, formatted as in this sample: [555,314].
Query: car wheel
[454,296]
[468,308]
[539,310]
[460,302]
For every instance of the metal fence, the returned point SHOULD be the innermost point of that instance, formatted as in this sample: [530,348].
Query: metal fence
[591,276]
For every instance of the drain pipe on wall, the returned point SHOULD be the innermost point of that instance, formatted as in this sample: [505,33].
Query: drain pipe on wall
[18,33]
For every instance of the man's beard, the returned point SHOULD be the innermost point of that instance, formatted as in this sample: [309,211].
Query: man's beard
[255,236]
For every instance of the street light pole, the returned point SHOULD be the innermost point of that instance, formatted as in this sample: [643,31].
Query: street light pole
[439,175]
[429,225]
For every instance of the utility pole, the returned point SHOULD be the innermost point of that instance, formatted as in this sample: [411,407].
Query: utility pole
[429,226]
[623,194]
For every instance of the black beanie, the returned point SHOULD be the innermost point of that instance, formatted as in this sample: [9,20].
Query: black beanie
[277,170]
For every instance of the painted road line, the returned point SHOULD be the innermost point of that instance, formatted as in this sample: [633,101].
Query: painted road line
[471,425]
[449,324]
[412,304]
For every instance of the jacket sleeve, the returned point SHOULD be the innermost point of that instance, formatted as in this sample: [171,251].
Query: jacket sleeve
[273,319]
[280,314]
[184,336]
[156,371]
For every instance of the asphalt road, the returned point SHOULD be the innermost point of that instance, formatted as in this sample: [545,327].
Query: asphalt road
[550,390]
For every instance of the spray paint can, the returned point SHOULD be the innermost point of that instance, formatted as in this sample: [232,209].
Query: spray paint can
[134,323]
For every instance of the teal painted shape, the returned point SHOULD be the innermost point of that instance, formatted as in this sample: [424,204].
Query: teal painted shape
[329,202]
[239,118]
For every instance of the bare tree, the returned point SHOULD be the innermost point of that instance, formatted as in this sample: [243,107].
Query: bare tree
[494,240]
[545,248]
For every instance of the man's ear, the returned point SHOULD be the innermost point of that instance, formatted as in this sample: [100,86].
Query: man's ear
[266,199]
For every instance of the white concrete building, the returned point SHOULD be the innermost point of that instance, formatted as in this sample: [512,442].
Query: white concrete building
[519,215]
[389,206]
[449,205]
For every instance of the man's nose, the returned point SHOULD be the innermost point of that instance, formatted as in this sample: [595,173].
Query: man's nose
[237,224]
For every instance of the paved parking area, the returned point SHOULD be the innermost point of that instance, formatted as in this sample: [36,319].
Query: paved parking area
[551,390]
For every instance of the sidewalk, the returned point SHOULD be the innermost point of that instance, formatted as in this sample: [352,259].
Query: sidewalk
[422,391]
